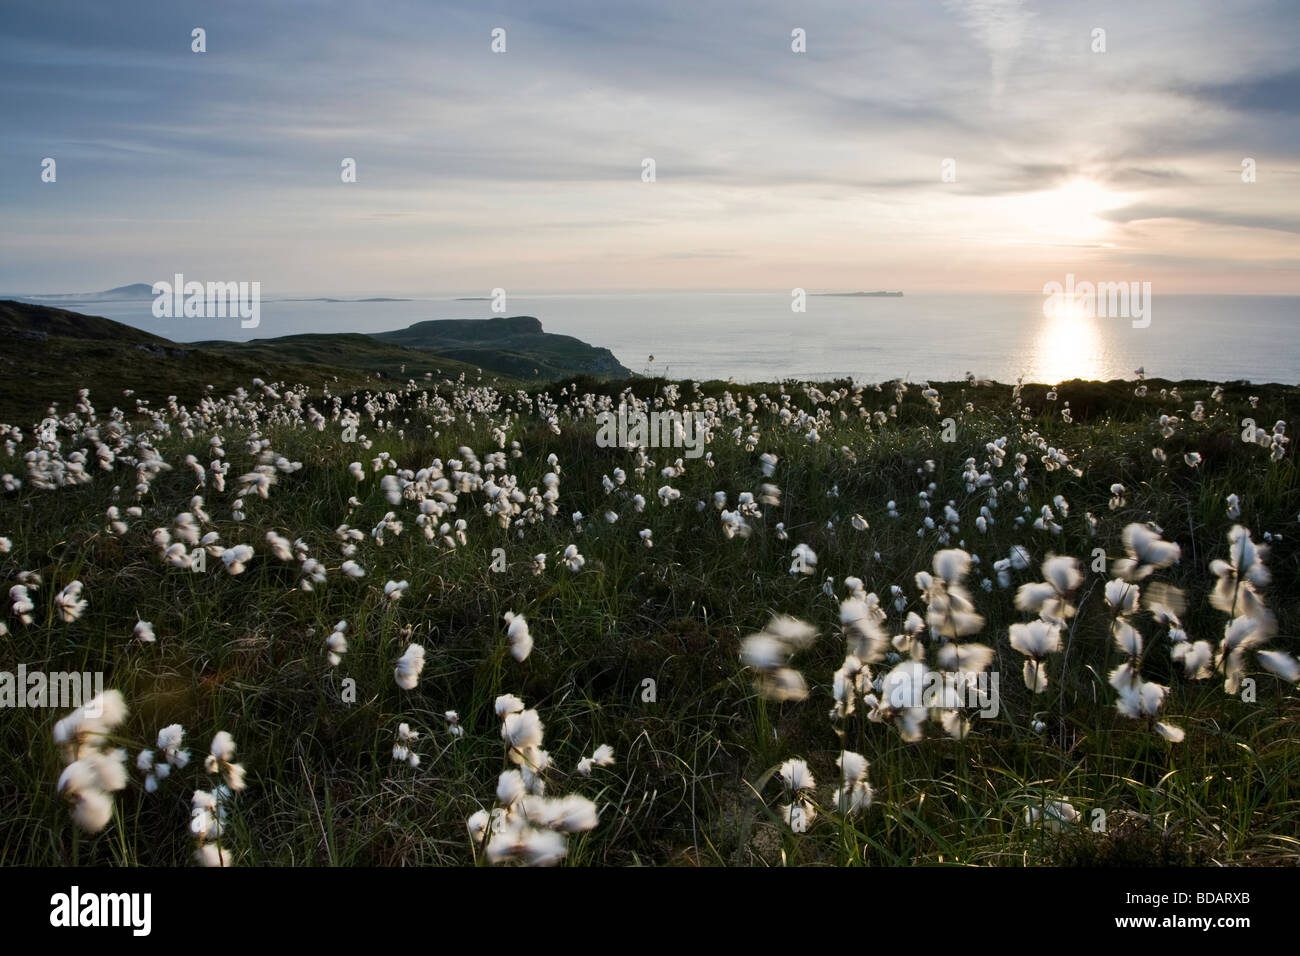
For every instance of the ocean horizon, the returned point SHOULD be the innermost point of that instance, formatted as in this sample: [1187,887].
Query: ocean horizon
[755,336]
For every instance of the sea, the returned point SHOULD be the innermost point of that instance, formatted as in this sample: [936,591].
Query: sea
[758,337]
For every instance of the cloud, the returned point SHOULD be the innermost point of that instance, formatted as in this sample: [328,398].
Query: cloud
[1216,217]
[534,156]
[1000,26]
[1278,93]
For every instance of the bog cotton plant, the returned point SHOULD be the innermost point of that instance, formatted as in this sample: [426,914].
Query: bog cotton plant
[769,651]
[21,603]
[1052,598]
[69,602]
[1036,640]
[208,816]
[1251,624]
[157,765]
[94,769]
[1145,553]
[336,645]
[798,785]
[572,559]
[518,636]
[524,825]
[854,794]
[403,748]
[991,488]
[409,666]
[603,756]
[1054,815]
[221,761]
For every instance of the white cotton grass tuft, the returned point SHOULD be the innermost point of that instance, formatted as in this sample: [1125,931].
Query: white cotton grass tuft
[768,653]
[522,732]
[1237,593]
[409,666]
[862,620]
[1142,700]
[1196,657]
[1146,551]
[1280,664]
[796,776]
[236,559]
[950,611]
[798,783]
[157,766]
[22,604]
[94,770]
[1122,596]
[1053,815]
[1036,640]
[403,748]
[572,559]
[213,855]
[220,760]
[517,633]
[602,757]
[1051,599]
[508,704]
[170,739]
[524,825]
[208,816]
[69,602]
[281,547]
[144,632]
[336,645]
[854,793]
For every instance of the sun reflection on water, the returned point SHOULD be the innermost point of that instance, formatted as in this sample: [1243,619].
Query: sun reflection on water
[1068,345]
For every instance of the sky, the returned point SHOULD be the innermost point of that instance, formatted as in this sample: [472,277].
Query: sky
[773,169]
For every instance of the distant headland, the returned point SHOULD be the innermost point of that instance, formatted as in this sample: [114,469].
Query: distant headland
[861,295]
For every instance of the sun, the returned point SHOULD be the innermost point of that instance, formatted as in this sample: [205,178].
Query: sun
[1069,213]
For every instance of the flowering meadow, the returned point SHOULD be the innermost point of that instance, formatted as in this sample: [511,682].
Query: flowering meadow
[442,624]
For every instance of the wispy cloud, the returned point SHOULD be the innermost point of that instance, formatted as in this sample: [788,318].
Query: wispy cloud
[524,168]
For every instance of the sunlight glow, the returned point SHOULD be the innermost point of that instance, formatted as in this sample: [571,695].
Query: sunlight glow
[1069,213]
[1067,346]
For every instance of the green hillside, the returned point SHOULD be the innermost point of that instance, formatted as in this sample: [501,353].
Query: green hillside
[514,346]
[51,353]
[348,350]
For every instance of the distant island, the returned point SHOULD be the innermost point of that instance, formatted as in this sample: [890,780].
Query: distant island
[143,290]
[473,298]
[138,290]
[861,295]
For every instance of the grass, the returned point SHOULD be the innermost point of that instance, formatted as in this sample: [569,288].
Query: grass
[694,781]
